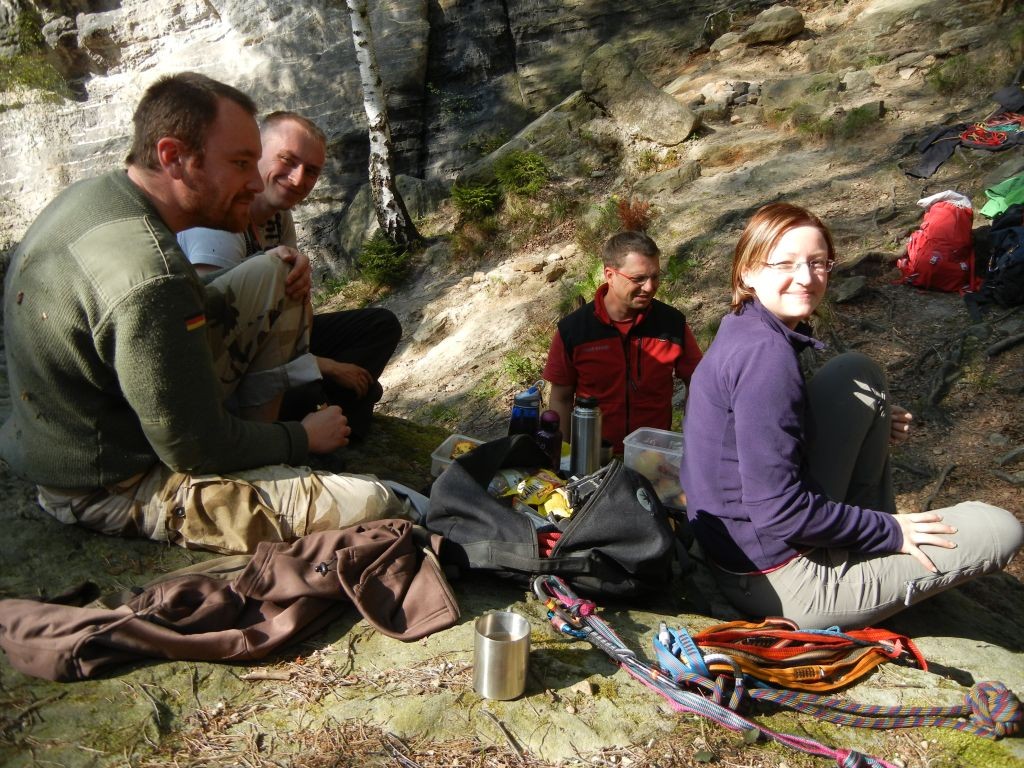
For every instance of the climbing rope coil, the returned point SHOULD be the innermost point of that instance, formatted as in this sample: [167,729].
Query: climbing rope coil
[713,684]
[994,131]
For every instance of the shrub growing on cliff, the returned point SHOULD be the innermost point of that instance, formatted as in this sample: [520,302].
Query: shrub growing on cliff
[521,173]
[634,214]
[856,122]
[476,201]
[472,238]
[598,225]
[383,262]
[29,67]
[970,72]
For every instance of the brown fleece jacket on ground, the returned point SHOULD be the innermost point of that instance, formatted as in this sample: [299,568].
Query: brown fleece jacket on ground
[287,591]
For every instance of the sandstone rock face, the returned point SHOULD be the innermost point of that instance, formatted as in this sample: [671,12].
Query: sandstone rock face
[9,37]
[358,222]
[612,79]
[672,181]
[780,22]
[456,72]
[549,135]
[817,89]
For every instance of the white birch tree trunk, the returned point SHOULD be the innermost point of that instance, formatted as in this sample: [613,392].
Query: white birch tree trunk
[392,216]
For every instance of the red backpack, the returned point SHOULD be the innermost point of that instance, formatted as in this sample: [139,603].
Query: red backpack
[940,254]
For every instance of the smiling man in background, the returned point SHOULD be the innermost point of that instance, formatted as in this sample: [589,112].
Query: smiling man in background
[352,347]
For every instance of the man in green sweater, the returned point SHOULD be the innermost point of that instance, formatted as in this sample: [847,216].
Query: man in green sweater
[143,401]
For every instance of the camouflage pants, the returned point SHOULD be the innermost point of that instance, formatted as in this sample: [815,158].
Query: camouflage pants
[227,513]
[258,339]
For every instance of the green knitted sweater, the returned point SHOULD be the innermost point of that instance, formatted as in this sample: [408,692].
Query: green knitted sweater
[107,359]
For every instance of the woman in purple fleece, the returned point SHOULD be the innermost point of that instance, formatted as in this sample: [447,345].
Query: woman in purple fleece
[787,481]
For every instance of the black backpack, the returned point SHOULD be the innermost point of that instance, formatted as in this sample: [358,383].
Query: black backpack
[1004,283]
[617,543]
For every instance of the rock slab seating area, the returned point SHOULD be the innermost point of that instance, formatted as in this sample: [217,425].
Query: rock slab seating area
[622,103]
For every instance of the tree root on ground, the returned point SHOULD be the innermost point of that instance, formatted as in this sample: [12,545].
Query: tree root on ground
[1001,346]
[927,504]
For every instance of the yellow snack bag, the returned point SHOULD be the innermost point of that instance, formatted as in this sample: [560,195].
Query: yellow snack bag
[505,482]
[534,488]
[556,505]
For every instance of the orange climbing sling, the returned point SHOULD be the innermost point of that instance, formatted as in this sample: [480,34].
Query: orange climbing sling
[777,652]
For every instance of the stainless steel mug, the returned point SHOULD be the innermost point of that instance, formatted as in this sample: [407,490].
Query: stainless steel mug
[501,653]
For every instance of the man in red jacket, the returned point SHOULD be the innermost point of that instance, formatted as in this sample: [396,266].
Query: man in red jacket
[625,347]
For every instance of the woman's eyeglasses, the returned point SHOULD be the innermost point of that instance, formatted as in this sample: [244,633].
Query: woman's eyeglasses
[817,266]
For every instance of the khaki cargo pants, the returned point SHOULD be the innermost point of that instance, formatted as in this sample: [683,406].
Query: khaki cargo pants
[259,341]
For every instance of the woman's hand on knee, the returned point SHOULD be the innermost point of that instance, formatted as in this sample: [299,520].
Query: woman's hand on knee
[899,424]
[921,528]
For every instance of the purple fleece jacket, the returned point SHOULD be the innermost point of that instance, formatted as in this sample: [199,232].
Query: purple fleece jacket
[750,501]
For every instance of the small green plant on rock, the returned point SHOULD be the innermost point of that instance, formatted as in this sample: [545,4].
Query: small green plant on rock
[485,390]
[442,415]
[678,272]
[472,238]
[705,332]
[329,288]
[383,262]
[522,173]
[857,121]
[476,200]
[967,73]
[601,223]
[805,119]
[519,369]
[485,143]
[646,161]
[575,293]
[29,67]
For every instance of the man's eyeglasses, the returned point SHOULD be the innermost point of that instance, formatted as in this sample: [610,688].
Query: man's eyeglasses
[817,266]
[639,280]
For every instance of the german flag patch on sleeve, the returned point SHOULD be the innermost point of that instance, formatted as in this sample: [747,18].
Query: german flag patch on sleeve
[195,322]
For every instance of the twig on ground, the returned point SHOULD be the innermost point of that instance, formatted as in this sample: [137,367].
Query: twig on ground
[21,714]
[509,738]
[948,373]
[1006,458]
[1001,346]
[912,469]
[262,674]
[389,741]
[938,486]
[879,256]
[869,325]
[1011,479]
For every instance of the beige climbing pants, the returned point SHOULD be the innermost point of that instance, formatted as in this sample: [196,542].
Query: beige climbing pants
[849,458]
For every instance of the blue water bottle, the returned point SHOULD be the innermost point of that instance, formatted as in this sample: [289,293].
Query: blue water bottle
[525,412]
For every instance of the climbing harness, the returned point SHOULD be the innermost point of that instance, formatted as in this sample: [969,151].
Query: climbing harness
[684,679]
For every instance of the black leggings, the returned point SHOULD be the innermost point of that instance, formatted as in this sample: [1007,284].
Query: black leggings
[365,337]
